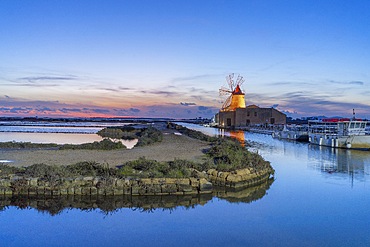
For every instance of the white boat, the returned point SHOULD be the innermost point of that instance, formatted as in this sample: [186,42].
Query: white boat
[292,132]
[339,133]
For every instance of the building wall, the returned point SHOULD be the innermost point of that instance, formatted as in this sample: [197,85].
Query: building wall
[226,119]
[243,117]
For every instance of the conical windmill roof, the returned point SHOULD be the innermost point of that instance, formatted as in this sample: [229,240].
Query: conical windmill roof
[237,90]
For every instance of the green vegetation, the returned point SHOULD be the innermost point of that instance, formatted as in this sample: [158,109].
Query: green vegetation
[228,155]
[105,144]
[224,155]
[127,132]
[143,168]
[145,136]
[6,170]
[21,145]
[148,136]
[51,173]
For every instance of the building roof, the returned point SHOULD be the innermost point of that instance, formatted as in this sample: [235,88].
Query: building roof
[253,106]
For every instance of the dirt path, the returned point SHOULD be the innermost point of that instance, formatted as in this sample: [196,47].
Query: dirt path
[173,146]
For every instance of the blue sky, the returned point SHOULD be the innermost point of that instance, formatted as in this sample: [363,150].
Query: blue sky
[169,58]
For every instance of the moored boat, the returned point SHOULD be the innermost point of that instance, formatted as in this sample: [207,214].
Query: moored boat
[294,133]
[339,133]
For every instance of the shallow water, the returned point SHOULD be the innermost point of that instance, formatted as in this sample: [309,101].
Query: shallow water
[58,138]
[320,197]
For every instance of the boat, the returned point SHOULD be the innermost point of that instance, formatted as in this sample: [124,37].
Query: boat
[292,132]
[339,133]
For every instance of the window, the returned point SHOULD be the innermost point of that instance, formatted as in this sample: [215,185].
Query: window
[248,113]
[255,114]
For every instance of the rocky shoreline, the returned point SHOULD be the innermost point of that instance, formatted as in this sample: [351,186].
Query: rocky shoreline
[21,185]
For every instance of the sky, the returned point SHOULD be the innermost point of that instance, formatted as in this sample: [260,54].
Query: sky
[168,58]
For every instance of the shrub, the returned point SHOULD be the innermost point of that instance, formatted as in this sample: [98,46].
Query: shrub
[52,174]
[145,136]
[148,136]
[114,133]
[85,169]
[105,144]
[142,167]
[229,155]
[6,170]
[44,171]
[22,145]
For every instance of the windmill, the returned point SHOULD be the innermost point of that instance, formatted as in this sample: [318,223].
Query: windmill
[236,96]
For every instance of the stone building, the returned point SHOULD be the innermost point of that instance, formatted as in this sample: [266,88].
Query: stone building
[250,116]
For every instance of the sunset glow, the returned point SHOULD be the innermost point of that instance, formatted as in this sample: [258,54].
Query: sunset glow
[169,58]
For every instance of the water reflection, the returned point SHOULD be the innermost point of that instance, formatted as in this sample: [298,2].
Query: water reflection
[333,161]
[111,204]
[238,135]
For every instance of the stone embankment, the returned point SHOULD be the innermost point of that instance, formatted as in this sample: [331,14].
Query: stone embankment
[17,185]
[242,178]
[104,186]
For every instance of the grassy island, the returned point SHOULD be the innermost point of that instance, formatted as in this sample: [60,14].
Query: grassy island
[172,160]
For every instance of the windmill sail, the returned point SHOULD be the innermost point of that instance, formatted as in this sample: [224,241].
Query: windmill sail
[236,95]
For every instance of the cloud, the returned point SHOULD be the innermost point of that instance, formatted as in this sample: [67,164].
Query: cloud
[134,110]
[127,112]
[187,104]
[160,92]
[311,105]
[110,89]
[202,108]
[189,78]
[359,83]
[20,110]
[22,107]
[45,109]
[100,110]
[66,110]
[34,79]
[39,80]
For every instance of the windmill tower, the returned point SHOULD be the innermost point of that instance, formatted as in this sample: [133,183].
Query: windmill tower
[236,95]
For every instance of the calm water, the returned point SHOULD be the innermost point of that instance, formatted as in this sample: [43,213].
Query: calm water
[321,197]
[54,132]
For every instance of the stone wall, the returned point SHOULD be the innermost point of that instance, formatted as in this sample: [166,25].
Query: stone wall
[242,178]
[248,177]
[15,185]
